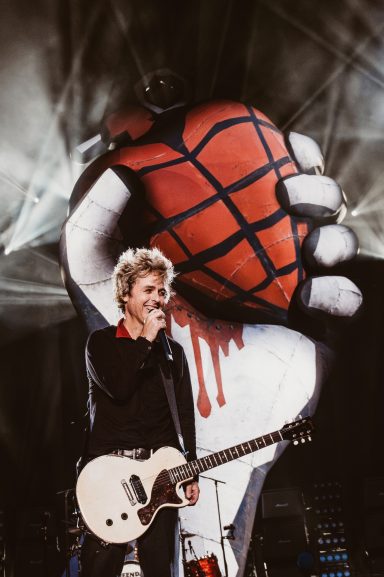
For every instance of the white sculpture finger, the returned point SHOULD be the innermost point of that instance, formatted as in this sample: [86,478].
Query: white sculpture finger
[330,245]
[310,196]
[331,295]
[306,153]
[91,242]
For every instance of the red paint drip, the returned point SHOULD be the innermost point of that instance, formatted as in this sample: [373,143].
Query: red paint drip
[217,335]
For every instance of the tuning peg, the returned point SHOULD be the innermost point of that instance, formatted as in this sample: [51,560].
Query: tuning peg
[303,440]
[309,438]
[295,442]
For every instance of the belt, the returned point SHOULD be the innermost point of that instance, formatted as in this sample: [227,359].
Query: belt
[133,453]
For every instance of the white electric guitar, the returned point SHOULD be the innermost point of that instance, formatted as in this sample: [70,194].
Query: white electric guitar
[119,497]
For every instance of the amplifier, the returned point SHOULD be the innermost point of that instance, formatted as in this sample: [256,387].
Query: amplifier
[282,503]
[283,539]
[374,493]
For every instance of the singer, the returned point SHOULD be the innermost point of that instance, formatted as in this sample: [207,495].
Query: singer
[128,406]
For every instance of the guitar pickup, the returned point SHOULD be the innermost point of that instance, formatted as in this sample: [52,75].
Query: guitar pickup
[128,492]
[138,489]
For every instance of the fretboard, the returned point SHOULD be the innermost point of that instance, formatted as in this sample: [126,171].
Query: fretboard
[193,468]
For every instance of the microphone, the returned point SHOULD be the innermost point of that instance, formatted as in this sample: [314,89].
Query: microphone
[165,344]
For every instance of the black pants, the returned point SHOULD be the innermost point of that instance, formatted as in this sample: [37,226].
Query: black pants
[156,549]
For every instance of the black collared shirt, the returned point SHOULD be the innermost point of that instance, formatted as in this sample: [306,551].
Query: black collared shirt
[127,400]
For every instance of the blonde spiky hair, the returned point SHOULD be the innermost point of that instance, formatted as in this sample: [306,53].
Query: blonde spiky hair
[139,262]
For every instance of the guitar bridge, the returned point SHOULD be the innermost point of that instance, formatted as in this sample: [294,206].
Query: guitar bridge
[128,492]
[138,489]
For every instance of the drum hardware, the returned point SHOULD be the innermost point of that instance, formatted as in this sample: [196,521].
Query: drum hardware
[131,569]
[184,535]
[73,527]
[206,566]
[77,531]
[198,567]
[231,532]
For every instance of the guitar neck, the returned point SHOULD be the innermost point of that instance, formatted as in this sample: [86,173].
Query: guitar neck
[213,460]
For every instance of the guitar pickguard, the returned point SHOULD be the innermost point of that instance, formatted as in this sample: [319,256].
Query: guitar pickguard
[163,493]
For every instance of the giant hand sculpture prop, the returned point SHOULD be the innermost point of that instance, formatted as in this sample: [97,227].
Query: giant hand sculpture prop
[233,205]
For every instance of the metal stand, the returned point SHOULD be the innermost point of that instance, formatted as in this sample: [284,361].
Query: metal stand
[44,533]
[220,526]
[71,528]
[222,537]
[3,558]
[183,536]
[66,541]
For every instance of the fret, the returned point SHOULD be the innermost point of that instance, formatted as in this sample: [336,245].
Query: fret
[177,474]
[188,469]
[213,460]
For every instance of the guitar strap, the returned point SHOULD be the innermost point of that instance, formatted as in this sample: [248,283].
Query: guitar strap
[170,392]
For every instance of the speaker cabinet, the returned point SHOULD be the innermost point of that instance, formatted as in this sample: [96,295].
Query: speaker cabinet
[283,539]
[284,570]
[282,503]
[36,561]
[374,493]
[374,530]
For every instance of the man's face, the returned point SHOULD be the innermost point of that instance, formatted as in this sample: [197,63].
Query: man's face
[147,293]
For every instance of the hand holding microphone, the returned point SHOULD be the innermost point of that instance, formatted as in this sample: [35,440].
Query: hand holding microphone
[154,325]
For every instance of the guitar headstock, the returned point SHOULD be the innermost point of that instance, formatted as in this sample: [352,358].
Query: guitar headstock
[298,431]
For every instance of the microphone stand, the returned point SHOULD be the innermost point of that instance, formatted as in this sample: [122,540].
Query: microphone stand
[183,547]
[221,532]
[216,481]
